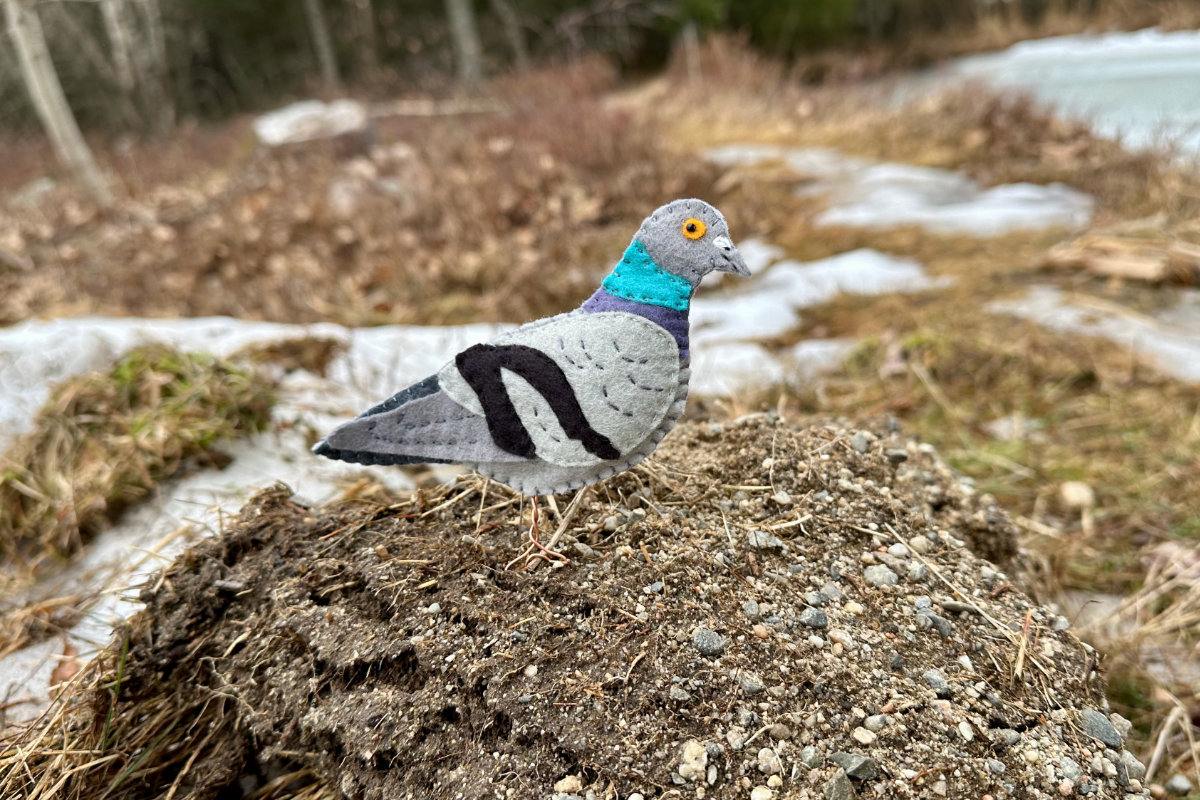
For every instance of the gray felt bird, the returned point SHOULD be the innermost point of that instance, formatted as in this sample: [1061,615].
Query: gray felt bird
[569,400]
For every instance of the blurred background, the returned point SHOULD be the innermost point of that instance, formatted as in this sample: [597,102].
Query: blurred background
[225,226]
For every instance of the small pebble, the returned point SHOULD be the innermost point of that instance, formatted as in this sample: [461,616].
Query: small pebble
[856,766]
[875,722]
[936,680]
[863,736]
[811,757]
[780,731]
[879,576]
[996,766]
[709,643]
[761,793]
[750,683]
[1178,784]
[814,618]
[768,762]
[1098,726]
[920,544]
[838,787]
[816,599]
[762,540]
[569,785]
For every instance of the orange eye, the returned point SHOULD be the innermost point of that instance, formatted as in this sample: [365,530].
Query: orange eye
[694,228]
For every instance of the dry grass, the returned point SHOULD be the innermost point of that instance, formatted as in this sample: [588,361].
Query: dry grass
[104,441]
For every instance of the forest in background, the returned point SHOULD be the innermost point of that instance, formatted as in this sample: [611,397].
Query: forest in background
[140,66]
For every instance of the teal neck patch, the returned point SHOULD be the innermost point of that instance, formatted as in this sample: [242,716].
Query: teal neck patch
[636,277]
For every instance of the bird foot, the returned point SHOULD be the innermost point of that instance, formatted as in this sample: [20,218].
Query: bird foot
[536,550]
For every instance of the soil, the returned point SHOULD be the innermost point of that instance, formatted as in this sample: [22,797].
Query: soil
[760,608]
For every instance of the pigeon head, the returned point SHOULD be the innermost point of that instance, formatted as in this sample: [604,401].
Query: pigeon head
[689,238]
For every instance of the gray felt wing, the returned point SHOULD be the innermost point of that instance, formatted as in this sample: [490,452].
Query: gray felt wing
[623,372]
[421,424]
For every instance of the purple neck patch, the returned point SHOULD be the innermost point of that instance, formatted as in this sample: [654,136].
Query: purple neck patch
[675,322]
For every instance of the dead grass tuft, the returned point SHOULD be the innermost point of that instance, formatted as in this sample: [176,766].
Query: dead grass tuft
[105,440]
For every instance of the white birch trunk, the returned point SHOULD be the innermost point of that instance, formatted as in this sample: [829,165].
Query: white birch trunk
[323,45]
[155,71]
[116,25]
[41,81]
[466,41]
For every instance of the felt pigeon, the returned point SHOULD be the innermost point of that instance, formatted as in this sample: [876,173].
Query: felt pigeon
[565,401]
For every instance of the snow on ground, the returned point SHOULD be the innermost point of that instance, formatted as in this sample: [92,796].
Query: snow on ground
[725,360]
[310,119]
[1170,339]
[865,194]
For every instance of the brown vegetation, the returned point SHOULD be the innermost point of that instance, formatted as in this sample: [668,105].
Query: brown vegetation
[104,441]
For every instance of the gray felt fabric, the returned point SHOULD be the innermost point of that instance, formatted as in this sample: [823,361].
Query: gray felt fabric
[690,259]
[623,369]
[434,426]
[538,477]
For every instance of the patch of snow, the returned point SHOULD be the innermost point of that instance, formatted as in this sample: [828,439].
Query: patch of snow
[729,369]
[893,195]
[867,194]
[768,307]
[814,357]
[1170,340]
[308,120]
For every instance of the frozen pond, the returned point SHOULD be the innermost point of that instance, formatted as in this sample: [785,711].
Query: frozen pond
[866,194]
[1143,85]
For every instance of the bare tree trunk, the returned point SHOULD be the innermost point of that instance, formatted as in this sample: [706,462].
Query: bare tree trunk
[116,25]
[466,41]
[156,74]
[511,23]
[690,42]
[323,45]
[41,81]
[364,17]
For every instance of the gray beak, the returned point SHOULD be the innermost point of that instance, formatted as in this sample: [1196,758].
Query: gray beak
[729,259]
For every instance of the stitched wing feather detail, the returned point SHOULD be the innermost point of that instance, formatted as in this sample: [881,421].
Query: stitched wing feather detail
[619,370]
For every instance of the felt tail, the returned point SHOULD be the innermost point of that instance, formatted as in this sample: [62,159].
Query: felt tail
[415,392]
[419,425]
[322,448]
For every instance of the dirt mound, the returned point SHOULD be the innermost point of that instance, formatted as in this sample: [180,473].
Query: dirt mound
[760,611]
